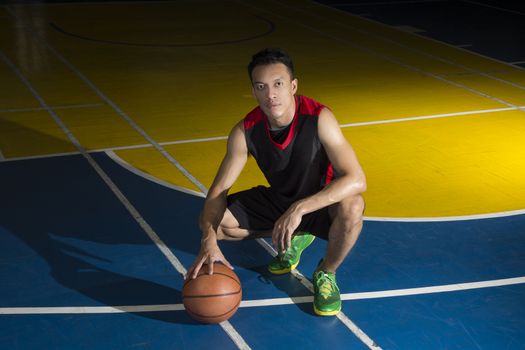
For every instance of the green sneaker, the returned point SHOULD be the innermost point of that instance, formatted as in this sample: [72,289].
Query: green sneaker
[327,300]
[284,263]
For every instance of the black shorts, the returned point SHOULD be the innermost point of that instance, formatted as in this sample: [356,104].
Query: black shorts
[258,209]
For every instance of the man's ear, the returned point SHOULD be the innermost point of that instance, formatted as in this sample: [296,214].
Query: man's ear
[295,84]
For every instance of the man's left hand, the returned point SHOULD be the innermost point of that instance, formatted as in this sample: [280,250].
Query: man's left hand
[284,228]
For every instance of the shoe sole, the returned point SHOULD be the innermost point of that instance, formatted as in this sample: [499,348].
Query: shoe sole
[326,313]
[283,271]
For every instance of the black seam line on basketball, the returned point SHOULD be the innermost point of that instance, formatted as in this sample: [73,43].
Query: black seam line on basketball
[203,316]
[270,30]
[210,295]
[216,273]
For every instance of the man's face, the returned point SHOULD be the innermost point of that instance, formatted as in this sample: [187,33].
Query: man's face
[274,89]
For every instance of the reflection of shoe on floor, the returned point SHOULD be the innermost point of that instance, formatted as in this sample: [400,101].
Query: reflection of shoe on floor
[327,299]
[284,263]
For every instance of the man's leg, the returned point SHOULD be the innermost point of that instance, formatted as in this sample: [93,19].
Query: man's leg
[347,222]
[229,230]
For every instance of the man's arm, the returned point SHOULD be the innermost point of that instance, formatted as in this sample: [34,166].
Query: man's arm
[350,181]
[215,203]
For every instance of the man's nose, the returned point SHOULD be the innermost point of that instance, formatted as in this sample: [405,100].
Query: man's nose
[270,93]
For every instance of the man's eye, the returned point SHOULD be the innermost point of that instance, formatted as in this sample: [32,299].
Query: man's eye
[260,86]
[279,84]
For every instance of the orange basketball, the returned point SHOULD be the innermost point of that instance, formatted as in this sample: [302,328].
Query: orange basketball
[212,298]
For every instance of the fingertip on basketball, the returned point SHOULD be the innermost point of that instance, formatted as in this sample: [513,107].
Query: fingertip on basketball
[212,298]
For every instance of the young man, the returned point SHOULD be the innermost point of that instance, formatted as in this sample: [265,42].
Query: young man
[314,175]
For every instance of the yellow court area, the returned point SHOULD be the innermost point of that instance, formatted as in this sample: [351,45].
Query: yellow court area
[439,131]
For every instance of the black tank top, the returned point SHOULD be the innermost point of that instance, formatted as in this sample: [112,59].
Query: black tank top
[298,166]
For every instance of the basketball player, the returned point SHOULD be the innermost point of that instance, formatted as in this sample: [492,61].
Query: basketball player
[315,181]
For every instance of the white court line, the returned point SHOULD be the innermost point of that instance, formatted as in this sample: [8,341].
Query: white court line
[195,140]
[393,293]
[518,62]
[501,214]
[495,7]
[434,116]
[42,156]
[132,2]
[36,109]
[385,3]
[140,173]
[89,309]
[2,158]
[375,122]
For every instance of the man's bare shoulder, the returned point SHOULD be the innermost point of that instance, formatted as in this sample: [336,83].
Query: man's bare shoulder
[327,116]
[328,126]
[236,139]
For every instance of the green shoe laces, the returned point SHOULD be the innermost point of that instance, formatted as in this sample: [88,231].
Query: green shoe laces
[326,284]
[299,243]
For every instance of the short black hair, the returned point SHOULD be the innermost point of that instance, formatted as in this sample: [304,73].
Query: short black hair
[271,56]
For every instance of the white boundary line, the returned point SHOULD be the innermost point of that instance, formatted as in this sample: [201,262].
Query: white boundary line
[217,138]
[149,177]
[195,140]
[42,156]
[36,109]
[385,3]
[494,7]
[89,309]
[393,293]
[434,116]
[501,214]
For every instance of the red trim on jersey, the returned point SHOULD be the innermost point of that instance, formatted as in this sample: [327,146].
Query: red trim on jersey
[329,174]
[310,106]
[290,135]
[303,106]
[254,117]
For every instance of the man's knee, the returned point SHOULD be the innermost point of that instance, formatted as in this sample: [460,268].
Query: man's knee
[350,211]
[228,227]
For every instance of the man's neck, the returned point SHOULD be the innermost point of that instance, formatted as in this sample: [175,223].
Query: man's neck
[285,120]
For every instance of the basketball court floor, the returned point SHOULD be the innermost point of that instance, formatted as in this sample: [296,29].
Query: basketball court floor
[113,120]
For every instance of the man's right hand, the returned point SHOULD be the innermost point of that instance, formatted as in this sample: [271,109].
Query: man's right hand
[208,254]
